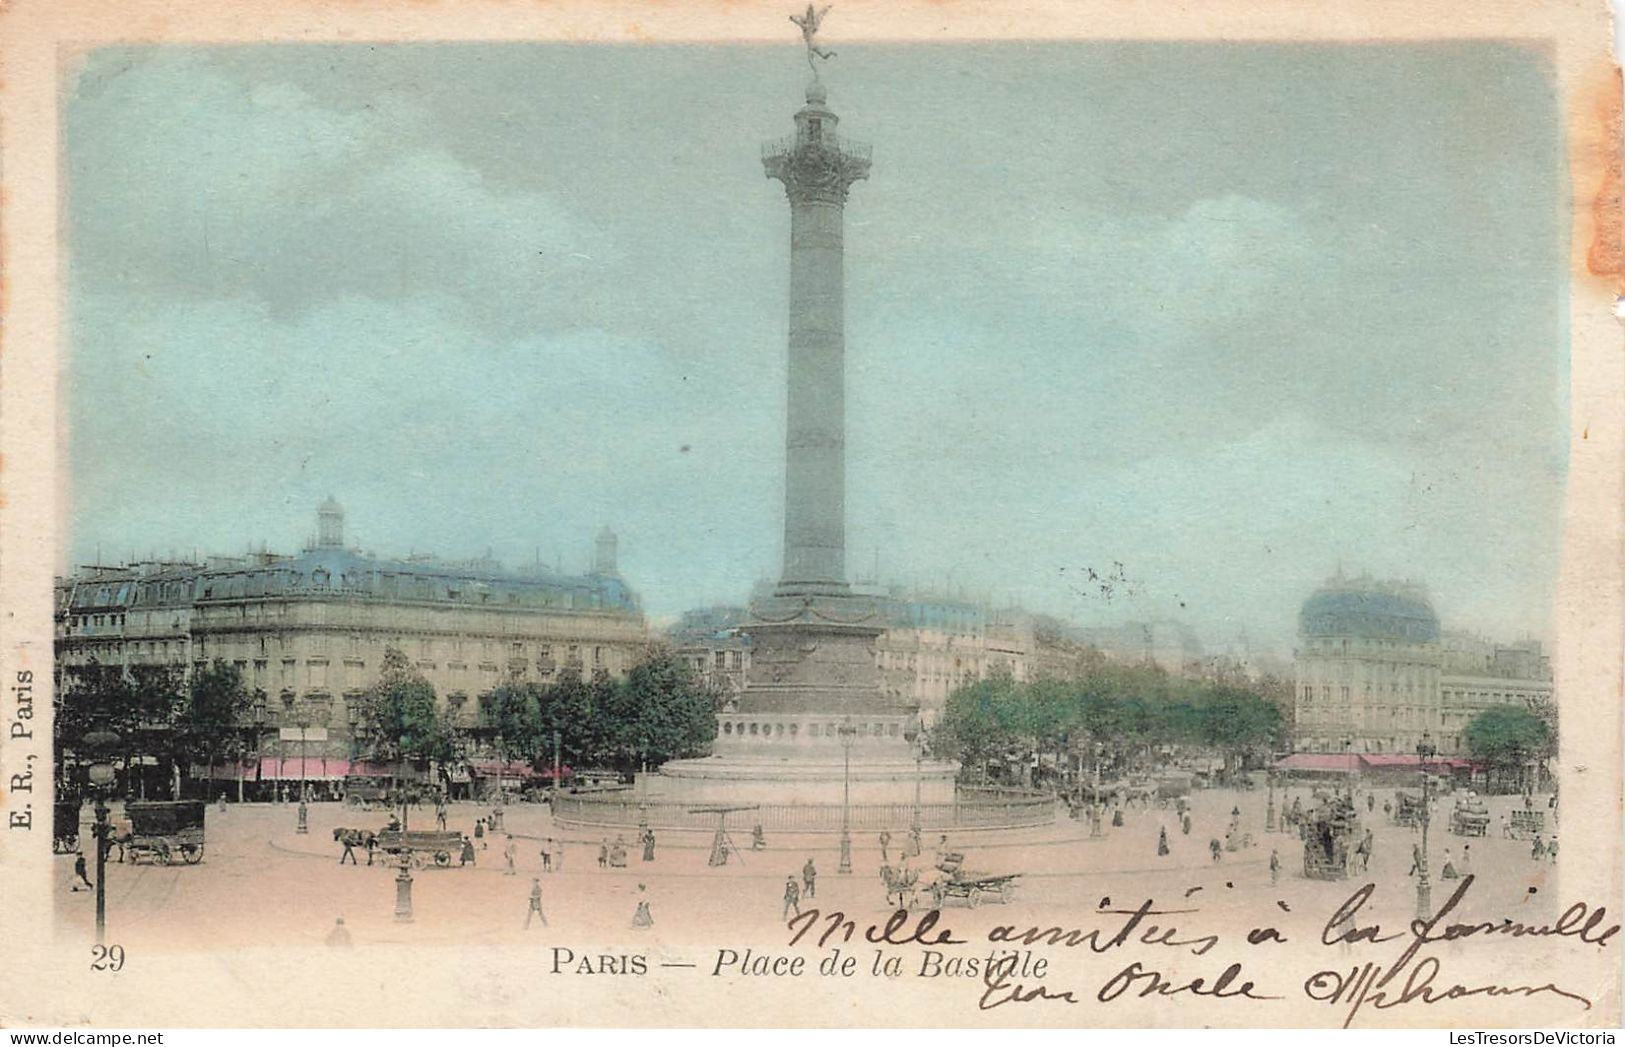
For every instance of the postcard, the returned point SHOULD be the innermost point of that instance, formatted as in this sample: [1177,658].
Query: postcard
[924,514]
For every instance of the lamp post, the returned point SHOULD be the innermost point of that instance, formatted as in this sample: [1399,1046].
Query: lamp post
[101,743]
[1424,889]
[1269,811]
[847,734]
[915,737]
[304,786]
[1097,812]
[259,734]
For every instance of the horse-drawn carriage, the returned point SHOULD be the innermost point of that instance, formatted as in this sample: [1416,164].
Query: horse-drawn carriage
[165,830]
[1328,832]
[422,845]
[971,888]
[1526,824]
[1469,816]
[1407,809]
[65,827]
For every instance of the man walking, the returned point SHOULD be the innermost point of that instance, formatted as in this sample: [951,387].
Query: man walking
[349,848]
[1275,867]
[510,853]
[809,874]
[792,897]
[547,855]
[535,910]
[885,845]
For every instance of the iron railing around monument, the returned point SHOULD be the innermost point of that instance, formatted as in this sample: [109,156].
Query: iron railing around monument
[971,810]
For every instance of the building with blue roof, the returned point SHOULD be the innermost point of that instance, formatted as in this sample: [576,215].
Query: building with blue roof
[309,630]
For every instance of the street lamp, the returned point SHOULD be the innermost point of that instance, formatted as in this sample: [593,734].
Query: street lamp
[847,734]
[101,744]
[1097,812]
[1424,890]
[259,733]
[304,786]
[1269,811]
[915,737]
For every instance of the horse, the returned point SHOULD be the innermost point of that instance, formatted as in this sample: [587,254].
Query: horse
[353,838]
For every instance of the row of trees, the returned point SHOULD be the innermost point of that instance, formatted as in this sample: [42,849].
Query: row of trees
[161,715]
[1128,711]
[657,713]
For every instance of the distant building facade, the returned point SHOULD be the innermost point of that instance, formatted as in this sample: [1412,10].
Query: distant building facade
[309,631]
[1374,672]
[932,645]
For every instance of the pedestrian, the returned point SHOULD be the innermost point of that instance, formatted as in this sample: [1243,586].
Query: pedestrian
[1364,851]
[642,917]
[1466,859]
[535,910]
[547,855]
[496,816]
[648,845]
[603,853]
[1370,803]
[440,816]
[1117,817]
[1275,867]
[348,839]
[1185,824]
[885,844]
[809,874]
[479,829]
[1539,850]
[1162,842]
[79,871]
[1551,850]
[1215,848]
[1416,859]
[758,842]
[468,851]
[914,842]
[222,801]
[510,854]
[792,897]
[558,856]
[339,936]
[1388,810]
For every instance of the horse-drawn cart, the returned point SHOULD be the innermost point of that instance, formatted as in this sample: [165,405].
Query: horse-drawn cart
[1407,810]
[423,845]
[1328,832]
[1526,824]
[165,830]
[972,888]
[1470,816]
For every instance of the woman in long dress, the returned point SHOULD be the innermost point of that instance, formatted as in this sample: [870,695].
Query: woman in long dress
[642,918]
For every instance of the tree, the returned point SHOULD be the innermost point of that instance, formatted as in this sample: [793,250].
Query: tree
[513,712]
[209,724]
[400,713]
[1237,722]
[139,703]
[664,713]
[1508,738]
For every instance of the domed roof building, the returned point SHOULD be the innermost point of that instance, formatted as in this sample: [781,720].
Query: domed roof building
[1367,667]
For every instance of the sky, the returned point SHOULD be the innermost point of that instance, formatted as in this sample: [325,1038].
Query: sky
[1228,316]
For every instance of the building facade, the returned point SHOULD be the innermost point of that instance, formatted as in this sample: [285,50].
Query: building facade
[309,631]
[1374,673]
